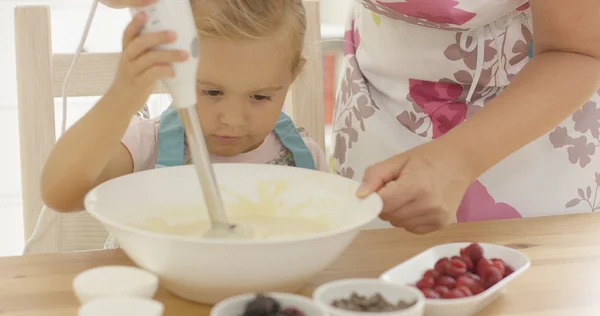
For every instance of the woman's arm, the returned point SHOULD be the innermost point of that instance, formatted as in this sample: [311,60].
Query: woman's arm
[562,76]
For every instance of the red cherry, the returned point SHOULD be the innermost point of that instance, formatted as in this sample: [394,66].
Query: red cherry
[482,265]
[469,282]
[432,273]
[456,293]
[499,263]
[430,293]
[457,268]
[491,276]
[473,251]
[468,262]
[465,280]
[446,281]
[465,290]
[442,265]
[441,290]
[508,270]
[292,312]
[426,283]
[474,277]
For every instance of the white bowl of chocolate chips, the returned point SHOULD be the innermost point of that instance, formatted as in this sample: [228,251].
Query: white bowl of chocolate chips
[369,297]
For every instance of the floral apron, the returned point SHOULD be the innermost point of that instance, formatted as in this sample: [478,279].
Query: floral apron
[407,79]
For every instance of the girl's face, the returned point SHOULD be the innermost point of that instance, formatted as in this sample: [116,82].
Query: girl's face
[241,89]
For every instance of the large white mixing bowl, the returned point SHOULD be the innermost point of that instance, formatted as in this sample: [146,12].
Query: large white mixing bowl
[209,270]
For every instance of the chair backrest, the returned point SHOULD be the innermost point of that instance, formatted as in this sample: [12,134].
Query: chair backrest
[40,75]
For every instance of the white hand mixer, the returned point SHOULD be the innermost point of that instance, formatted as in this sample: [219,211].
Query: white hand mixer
[177,16]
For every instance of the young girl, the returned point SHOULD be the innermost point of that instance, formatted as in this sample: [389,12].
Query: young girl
[250,54]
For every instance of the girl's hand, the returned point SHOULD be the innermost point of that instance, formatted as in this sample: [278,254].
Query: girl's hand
[119,4]
[141,65]
[421,188]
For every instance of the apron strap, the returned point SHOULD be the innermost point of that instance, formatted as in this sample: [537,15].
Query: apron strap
[290,138]
[171,139]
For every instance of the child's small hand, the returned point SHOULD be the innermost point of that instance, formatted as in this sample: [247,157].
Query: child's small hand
[141,65]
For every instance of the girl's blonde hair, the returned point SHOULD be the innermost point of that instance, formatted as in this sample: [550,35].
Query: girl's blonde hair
[284,20]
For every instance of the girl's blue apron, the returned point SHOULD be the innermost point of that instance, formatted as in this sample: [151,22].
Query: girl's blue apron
[171,141]
[531,49]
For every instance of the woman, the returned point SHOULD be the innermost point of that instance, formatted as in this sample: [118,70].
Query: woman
[422,70]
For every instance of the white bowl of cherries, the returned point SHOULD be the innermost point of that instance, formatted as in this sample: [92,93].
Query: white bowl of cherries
[460,279]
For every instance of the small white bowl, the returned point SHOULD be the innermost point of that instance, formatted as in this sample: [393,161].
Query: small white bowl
[110,281]
[411,271]
[236,305]
[327,293]
[122,306]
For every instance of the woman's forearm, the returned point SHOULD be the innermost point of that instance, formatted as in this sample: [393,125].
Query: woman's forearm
[82,153]
[549,89]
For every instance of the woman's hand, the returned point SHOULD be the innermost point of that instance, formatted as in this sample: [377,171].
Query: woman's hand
[119,4]
[421,188]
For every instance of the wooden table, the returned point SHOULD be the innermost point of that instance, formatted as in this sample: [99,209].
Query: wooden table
[565,254]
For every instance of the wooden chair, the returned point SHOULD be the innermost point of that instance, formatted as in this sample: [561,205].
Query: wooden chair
[40,75]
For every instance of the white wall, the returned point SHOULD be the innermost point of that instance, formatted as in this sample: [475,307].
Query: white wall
[335,11]
[68,20]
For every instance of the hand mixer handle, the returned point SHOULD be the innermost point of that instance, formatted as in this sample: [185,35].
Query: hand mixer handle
[177,16]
